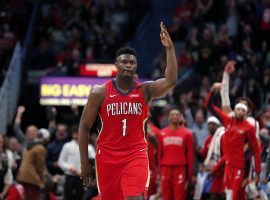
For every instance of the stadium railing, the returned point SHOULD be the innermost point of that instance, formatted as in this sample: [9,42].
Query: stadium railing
[9,91]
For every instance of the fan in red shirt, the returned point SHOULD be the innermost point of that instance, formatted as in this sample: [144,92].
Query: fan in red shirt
[176,157]
[238,133]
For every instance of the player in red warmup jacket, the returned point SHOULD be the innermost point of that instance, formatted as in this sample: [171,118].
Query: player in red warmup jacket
[238,133]
[176,158]
[122,166]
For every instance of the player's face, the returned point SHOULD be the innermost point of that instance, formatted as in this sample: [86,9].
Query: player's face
[246,103]
[212,127]
[175,117]
[240,113]
[126,65]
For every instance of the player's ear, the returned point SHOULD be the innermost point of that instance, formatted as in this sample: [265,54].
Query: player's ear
[116,64]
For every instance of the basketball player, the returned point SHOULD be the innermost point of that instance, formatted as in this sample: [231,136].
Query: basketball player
[238,133]
[225,100]
[224,93]
[176,157]
[122,106]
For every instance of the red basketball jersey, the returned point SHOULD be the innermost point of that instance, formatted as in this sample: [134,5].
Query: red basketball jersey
[123,118]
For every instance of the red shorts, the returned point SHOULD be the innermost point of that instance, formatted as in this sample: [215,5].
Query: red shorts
[173,182]
[121,175]
[236,180]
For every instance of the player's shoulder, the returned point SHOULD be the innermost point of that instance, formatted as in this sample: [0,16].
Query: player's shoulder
[164,130]
[99,89]
[98,93]
[156,130]
[186,132]
[252,121]
[248,125]
[145,85]
[220,130]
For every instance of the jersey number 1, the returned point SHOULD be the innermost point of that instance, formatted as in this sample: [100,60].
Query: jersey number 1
[124,126]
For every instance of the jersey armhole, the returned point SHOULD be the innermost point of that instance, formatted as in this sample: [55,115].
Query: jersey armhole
[107,87]
[138,86]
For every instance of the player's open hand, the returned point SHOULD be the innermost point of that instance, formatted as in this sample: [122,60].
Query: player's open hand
[229,68]
[20,109]
[216,87]
[165,37]
[87,175]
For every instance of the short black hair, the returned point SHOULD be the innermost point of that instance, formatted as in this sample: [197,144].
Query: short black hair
[126,50]
[176,108]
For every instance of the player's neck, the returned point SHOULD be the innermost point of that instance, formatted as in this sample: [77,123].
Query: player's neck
[124,83]
[240,119]
[173,127]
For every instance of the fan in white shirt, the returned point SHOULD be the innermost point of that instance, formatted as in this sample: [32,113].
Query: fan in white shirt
[69,159]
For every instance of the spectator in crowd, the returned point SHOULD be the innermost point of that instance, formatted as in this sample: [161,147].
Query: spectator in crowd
[69,162]
[199,129]
[32,169]
[83,31]
[15,147]
[6,161]
[30,135]
[54,149]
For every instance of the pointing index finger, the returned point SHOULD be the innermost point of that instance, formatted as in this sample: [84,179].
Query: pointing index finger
[162,27]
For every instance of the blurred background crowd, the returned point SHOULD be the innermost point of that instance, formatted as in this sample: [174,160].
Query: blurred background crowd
[68,33]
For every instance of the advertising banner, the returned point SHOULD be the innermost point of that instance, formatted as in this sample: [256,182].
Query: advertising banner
[65,91]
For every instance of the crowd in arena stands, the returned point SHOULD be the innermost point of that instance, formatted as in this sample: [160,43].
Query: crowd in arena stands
[44,163]
[75,32]
[14,18]
[208,37]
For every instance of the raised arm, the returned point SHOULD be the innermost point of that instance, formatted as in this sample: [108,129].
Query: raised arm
[17,126]
[89,115]
[158,88]
[224,92]
[209,104]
